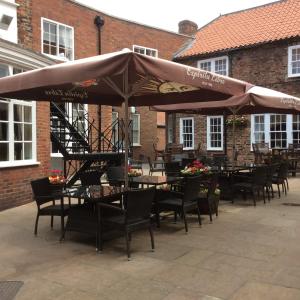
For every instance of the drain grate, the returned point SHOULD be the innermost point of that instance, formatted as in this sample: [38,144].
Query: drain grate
[9,289]
[291,204]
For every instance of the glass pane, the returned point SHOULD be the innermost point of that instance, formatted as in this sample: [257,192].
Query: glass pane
[27,132]
[28,151]
[3,111]
[3,151]
[18,151]
[4,71]
[18,136]
[27,114]
[17,113]
[3,131]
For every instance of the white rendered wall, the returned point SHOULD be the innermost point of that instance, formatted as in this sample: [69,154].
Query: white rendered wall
[9,7]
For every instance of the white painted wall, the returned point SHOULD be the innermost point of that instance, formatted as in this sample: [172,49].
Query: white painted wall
[9,7]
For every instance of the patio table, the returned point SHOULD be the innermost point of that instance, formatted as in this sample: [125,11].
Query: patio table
[85,218]
[154,180]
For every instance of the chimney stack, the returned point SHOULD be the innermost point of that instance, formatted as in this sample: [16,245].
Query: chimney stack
[187,27]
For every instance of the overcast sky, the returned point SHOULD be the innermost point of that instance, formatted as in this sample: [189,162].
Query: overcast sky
[166,14]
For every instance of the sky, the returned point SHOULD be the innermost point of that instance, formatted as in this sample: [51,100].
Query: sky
[166,14]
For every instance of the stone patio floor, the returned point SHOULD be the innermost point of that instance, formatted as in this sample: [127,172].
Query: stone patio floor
[246,253]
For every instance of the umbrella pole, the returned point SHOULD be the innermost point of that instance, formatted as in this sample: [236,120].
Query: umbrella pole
[126,97]
[233,139]
[126,142]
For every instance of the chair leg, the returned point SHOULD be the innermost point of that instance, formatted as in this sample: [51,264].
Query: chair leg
[264,195]
[284,188]
[185,222]
[268,193]
[175,217]
[62,227]
[127,244]
[210,214]
[152,238]
[272,190]
[198,212]
[278,188]
[52,221]
[99,237]
[287,184]
[254,198]
[36,223]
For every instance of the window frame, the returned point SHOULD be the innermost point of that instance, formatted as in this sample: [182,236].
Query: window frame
[290,50]
[212,62]
[267,132]
[11,162]
[139,129]
[145,48]
[208,133]
[181,133]
[57,57]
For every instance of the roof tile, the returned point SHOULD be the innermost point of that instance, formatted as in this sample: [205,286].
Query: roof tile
[275,21]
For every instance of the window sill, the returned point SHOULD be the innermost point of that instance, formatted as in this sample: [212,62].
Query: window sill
[58,58]
[19,164]
[58,155]
[214,149]
[137,145]
[293,75]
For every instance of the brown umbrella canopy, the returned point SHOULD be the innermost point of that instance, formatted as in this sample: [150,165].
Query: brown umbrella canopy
[101,80]
[255,100]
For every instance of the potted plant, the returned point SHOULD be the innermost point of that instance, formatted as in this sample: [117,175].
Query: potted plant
[196,168]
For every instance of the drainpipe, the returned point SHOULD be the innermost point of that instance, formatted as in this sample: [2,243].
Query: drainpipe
[99,22]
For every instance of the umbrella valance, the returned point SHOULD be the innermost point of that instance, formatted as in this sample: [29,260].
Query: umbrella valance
[255,100]
[100,80]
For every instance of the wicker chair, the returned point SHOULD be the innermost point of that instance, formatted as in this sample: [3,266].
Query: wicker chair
[261,152]
[45,199]
[208,200]
[135,216]
[181,203]
[252,184]
[156,166]
[281,178]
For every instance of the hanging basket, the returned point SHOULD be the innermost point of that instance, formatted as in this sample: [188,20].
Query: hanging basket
[238,121]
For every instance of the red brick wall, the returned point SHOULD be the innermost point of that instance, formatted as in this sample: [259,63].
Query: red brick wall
[264,65]
[116,35]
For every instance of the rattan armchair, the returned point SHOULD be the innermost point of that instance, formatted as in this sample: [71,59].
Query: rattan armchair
[135,215]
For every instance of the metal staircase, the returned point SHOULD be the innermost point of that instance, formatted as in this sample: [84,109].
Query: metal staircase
[77,139]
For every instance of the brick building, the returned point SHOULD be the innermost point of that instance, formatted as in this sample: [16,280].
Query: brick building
[36,33]
[260,45]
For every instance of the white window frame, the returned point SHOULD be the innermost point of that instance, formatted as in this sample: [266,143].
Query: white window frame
[56,57]
[297,130]
[289,129]
[193,133]
[208,132]
[139,129]
[265,131]
[145,49]
[213,63]
[290,50]
[11,162]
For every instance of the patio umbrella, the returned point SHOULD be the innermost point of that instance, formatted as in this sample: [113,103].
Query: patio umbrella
[255,100]
[121,77]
